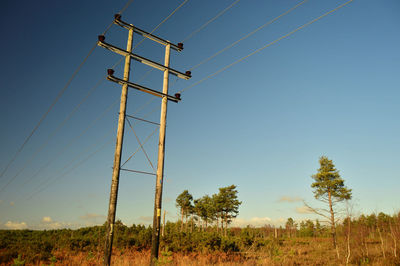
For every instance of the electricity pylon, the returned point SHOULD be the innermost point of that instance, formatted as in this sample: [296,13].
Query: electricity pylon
[121,124]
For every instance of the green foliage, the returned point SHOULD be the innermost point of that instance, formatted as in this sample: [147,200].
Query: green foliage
[18,261]
[329,183]
[184,202]
[227,202]
[29,246]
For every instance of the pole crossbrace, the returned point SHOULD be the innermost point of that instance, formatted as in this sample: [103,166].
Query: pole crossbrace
[175,98]
[141,119]
[119,22]
[143,60]
[136,171]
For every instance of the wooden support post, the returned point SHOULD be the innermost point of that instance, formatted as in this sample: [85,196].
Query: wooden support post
[117,159]
[160,165]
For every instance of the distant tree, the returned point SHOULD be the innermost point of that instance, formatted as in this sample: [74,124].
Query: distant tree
[205,209]
[307,228]
[290,226]
[184,203]
[227,204]
[329,188]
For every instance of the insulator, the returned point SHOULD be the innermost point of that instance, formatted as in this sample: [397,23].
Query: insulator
[188,73]
[117,16]
[101,38]
[110,72]
[180,45]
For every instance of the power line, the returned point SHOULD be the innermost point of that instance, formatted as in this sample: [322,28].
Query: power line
[73,168]
[82,133]
[244,37]
[209,21]
[118,62]
[262,48]
[52,135]
[63,149]
[162,22]
[248,35]
[194,33]
[60,93]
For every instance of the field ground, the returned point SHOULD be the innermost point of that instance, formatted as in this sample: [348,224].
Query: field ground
[297,251]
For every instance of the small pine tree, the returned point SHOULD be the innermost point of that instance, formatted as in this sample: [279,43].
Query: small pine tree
[329,188]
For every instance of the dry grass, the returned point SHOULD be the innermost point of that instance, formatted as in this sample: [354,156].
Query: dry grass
[298,251]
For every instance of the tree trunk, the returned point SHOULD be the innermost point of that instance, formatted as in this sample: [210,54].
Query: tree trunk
[226,223]
[348,240]
[181,220]
[333,227]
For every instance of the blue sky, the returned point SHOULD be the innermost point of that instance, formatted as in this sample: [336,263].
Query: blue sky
[329,89]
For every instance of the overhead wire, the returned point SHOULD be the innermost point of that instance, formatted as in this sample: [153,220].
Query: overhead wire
[194,33]
[53,158]
[162,22]
[267,45]
[244,37]
[60,93]
[73,168]
[209,21]
[52,134]
[248,35]
[77,156]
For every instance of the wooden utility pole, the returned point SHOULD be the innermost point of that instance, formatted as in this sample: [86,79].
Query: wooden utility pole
[160,165]
[117,158]
[121,123]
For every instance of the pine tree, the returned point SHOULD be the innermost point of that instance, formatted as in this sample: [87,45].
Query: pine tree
[184,202]
[329,188]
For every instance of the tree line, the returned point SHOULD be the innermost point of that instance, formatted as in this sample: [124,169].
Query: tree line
[218,209]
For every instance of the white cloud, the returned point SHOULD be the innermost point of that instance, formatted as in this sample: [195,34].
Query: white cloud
[92,216]
[257,222]
[146,218]
[47,219]
[15,225]
[290,199]
[303,209]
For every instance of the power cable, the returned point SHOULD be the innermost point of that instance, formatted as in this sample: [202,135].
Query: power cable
[73,168]
[209,21]
[244,37]
[248,35]
[162,22]
[262,48]
[83,132]
[65,147]
[60,93]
